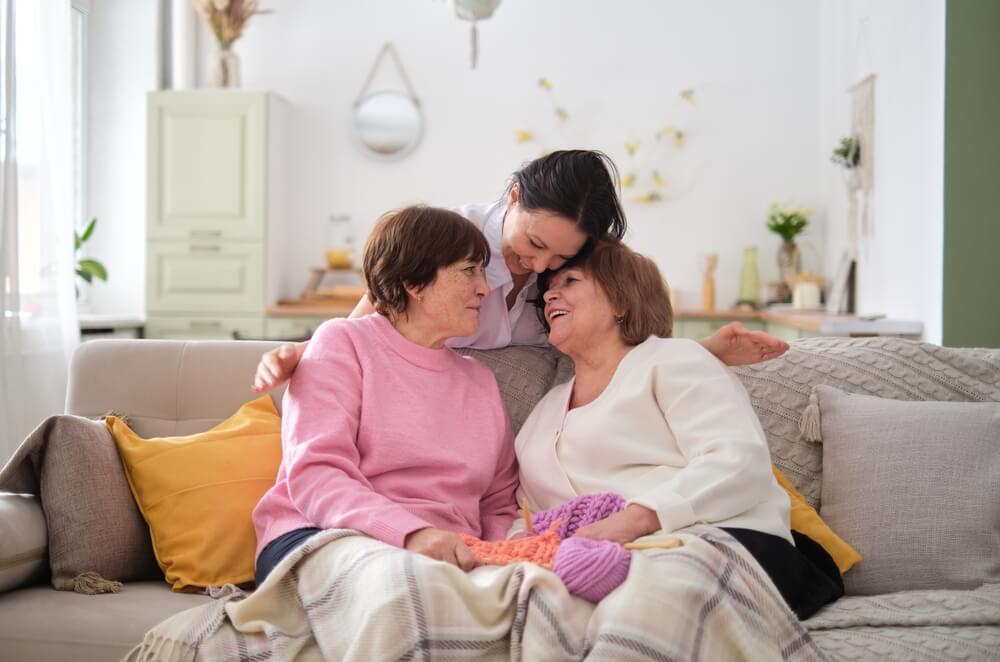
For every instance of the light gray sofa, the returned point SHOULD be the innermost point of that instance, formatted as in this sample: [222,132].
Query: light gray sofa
[177,388]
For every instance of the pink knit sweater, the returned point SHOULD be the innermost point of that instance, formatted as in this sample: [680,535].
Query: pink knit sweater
[385,436]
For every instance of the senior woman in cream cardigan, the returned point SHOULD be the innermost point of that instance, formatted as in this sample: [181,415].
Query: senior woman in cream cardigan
[659,421]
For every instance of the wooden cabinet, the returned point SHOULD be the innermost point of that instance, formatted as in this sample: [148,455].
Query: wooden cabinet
[786,332]
[216,212]
[791,325]
[700,328]
[204,327]
[292,328]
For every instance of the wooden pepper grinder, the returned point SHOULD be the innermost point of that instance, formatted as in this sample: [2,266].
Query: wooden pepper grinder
[708,285]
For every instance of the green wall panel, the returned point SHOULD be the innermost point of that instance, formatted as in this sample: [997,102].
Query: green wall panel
[971,315]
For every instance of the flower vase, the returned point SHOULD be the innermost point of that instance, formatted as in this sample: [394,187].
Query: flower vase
[789,262]
[750,278]
[224,68]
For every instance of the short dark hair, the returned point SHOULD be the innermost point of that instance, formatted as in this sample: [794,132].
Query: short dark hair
[631,281]
[580,185]
[407,247]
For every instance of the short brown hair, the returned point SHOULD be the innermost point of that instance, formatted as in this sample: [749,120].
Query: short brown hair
[407,247]
[633,284]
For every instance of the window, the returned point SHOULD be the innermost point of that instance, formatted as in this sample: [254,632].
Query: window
[80,15]
[33,255]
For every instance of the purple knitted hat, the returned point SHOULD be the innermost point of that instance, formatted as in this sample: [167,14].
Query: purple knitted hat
[578,512]
[591,569]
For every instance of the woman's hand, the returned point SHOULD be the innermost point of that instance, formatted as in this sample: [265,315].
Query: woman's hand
[276,367]
[443,546]
[734,344]
[622,527]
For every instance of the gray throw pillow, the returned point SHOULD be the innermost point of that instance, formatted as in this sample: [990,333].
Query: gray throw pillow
[524,375]
[92,520]
[913,486]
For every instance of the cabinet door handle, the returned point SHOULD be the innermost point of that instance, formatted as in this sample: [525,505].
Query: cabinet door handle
[206,233]
[205,324]
[207,248]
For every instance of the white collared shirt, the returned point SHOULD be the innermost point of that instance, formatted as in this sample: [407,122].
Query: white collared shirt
[499,327]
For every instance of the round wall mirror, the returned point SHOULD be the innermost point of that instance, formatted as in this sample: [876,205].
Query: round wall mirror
[388,124]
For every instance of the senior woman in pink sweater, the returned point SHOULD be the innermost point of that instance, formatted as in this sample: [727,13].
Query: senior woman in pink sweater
[386,430]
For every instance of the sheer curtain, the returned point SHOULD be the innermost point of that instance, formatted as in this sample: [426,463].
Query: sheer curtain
[39,327]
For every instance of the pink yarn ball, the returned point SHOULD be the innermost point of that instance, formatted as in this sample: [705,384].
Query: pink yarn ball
[578,512]
[591,569]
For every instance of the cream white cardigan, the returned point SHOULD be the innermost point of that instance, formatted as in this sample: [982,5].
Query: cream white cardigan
[673,431]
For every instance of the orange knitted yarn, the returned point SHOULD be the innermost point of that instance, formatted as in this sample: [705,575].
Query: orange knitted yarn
[540,550]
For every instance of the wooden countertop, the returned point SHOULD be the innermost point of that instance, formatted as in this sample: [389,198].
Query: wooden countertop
[312,308]
[807,321]
[815,322]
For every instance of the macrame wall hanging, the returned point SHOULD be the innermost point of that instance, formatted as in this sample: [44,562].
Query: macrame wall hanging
[860,180]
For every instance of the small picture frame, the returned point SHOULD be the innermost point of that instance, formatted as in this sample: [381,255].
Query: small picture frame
[839,298]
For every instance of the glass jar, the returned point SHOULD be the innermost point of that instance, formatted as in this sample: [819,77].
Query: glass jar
[340,243]
[789,262]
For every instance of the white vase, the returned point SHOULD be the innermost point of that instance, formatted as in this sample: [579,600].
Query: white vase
[224,68]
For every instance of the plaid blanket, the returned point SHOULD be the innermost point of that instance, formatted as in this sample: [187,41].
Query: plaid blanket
[344,596]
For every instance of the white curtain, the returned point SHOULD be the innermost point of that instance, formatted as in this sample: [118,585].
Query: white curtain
[39,326]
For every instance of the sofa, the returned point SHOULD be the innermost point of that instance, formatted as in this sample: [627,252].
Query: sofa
[817,404]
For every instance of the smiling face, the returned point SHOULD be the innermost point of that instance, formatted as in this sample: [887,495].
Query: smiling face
[448,307]
[578,311]
[534,241]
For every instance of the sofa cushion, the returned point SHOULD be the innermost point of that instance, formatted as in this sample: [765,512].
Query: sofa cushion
[911,625]
[37,623]
[524,375]
[913,486]
[886,367]
[198,492]
[166,387]
[805,519]
[22,540]
[92,521]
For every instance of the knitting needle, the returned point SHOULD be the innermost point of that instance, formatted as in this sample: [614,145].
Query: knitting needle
[527,517]
[670,543]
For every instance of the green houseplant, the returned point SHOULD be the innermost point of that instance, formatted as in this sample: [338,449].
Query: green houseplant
[788,222]
[87,268]
[848,153]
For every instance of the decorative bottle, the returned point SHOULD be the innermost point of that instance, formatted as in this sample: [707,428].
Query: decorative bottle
[750,278]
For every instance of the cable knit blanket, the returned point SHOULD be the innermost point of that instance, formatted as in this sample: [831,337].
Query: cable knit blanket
[343,596]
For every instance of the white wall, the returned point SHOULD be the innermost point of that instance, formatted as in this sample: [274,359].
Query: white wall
[616,67]
[123,66]
[902,41]
[753,136]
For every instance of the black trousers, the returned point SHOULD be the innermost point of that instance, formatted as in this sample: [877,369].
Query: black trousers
[806,576]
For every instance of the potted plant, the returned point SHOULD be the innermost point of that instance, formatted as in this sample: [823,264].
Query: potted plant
[848,153]
[788,222]
[87,268]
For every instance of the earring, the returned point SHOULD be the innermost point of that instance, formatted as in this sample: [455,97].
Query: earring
[619,319]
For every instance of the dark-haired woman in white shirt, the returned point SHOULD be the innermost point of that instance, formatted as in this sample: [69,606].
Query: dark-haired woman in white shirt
[552,208]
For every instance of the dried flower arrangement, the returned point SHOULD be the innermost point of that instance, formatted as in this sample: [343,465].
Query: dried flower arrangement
[227,18]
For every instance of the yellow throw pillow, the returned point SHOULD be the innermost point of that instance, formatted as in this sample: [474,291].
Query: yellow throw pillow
[806,520]
[197,493]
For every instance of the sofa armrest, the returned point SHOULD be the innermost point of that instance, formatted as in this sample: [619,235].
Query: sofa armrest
[23,541]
